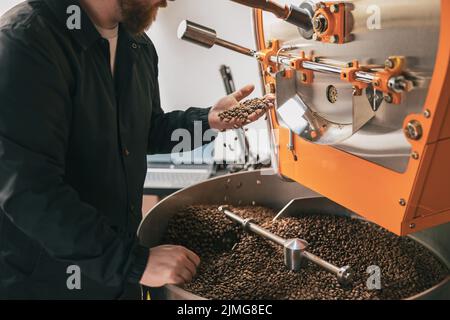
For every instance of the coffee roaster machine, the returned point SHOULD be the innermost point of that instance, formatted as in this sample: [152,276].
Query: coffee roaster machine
[361,125]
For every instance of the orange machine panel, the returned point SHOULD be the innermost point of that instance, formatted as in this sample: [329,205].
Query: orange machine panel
[405,202]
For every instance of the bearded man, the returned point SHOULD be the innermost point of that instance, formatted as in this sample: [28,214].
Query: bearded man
[79,112]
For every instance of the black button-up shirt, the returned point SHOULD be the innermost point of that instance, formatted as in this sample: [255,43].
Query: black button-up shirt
[73,146]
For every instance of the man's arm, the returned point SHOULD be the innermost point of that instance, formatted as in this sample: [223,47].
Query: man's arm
[163,126]
[35,119]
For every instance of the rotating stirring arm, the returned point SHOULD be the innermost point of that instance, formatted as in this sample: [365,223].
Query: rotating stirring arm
[294,249]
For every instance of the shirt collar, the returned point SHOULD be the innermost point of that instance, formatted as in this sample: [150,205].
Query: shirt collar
[88,34]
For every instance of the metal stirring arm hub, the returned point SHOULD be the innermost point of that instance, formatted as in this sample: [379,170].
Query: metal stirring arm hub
[294,249]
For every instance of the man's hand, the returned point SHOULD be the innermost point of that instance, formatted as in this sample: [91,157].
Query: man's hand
[232,101]
[169,265]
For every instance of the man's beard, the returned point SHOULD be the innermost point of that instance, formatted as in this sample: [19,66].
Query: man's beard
[138,15]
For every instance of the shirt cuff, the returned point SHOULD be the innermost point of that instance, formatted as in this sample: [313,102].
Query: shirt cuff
[137,268]
[203,116]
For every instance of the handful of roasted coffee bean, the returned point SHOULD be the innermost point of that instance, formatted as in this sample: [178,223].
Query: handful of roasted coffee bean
[243,110]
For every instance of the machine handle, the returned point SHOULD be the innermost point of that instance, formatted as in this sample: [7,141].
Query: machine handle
[197,34]
[207,37]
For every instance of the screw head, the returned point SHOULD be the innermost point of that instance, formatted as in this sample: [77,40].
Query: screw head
[334,8]
[402,202]
[389,98]
[427,114]
[320,23]
[270,88]
[413,130]
[415,155]
[412,225]
[389,63]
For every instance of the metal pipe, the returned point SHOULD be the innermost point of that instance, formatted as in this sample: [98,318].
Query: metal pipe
[278,10]
[266,234]
[207,37]
[322,67]
[248,225]
[235,47]
[295,15]
[322,263]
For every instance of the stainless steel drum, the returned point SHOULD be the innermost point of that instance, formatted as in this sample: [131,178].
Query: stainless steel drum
[263,188]
[381,29]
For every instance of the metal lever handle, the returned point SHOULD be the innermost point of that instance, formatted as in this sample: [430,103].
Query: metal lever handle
[207,37]
[294,249]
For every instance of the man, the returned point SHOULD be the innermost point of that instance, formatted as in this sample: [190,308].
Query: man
[79,111]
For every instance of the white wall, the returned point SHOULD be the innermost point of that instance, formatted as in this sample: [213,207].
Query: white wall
[189,74]
[5,5]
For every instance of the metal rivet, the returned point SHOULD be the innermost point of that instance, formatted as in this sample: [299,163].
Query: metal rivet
[389,64]
[402,202]
[258,182]
[334,8]
[427,113]
[415,155]
[412,225]
[414,130]
[389,98]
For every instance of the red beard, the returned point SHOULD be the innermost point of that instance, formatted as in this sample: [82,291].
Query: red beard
[138,15]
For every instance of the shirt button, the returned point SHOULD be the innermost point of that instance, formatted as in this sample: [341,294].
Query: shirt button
[126,152]
[134,45]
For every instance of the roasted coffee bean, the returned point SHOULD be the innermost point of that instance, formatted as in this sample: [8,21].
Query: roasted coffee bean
[242,111]
[240,265]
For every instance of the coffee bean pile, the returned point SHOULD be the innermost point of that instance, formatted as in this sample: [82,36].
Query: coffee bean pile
[240,265]
[243,110]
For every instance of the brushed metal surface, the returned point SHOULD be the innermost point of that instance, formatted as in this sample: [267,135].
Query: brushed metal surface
[407,28]
[264,188]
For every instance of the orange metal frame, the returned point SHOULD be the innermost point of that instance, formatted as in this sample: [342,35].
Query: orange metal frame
[405,202]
